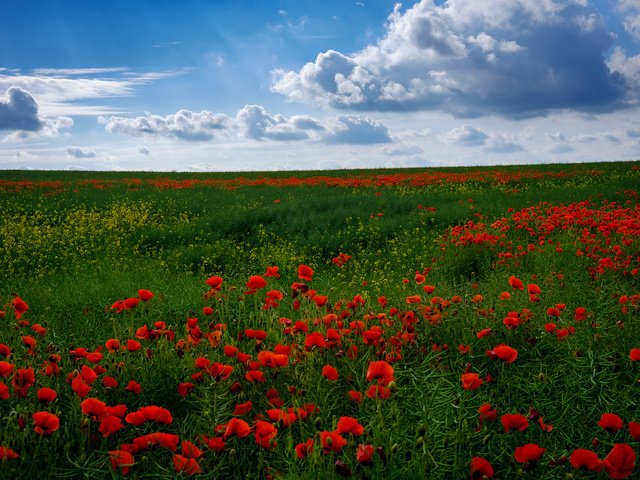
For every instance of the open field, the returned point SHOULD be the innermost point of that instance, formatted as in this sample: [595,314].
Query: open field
[374,324]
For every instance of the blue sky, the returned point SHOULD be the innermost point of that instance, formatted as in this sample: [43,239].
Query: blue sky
[299,84]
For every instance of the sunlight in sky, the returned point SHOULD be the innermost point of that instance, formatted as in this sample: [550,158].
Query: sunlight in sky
[254,85]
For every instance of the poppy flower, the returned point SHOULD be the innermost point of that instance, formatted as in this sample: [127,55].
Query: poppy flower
[256,282]
[487,412]
[380,371]
[505,353]
[530,453]
[4,391]
[330,373]
[214,282]
[349,425]
[237,427]
[305,448]
[45,423]
[470,381]
[133,345]
[516,283]
[130,303]
[634,430]
[93,407]
[484,333]
[305,273]
[314,339]
[214,443]
[610,422]
[133,387]
[481,468]
[242,408]
[364,454]
[265,434]
[620,461]
[8,454]
[189,450]
[272,272]
[184,388]
[46,395]
[514,421]
[355,396]
[634,355]
[583,459]
[188,466]
[19,306]
[121,459]
[109,425]
[6,369]
[145,295]
[332,441]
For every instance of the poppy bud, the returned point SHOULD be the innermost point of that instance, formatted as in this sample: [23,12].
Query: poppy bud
[317,422]
[392,386]
[422,429]
[419,442]
[394,448]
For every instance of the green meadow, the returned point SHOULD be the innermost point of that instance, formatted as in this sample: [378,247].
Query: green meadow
[430,271]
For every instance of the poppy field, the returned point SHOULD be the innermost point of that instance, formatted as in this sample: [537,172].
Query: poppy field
[421,323]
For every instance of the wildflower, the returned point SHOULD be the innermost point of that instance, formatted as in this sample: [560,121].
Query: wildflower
[582,459]
[109,425]
[620,461]
[8,454]
[121,459]
[305,273]
[530,453]
[610,422]
[349,425]
[380,371]
[45,423]
[265,434]
[330,373]
[237,427]
[305,448]
[46,395]
[256,282]
[188,466]
[145,295]
[332,441]
[516,283]
[514,421]
[470,381]
[505,353]
[481,468]
[364,454]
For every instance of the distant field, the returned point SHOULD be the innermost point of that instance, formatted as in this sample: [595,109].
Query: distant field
[420,323]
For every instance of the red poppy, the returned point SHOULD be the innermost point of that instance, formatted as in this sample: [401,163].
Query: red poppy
[272,272]
[364,454]
[189,450]
[610,422]
[130,303]
[121,459]
[4,391]
[330,373]
[620,461]
[6,369]
[355,396]
[133,345]
[22,380]
[583,459]
[305,273]
[487,412]
[214,282]
[19,306]
[470,381]
[214,443]
[188,466]
[332,441]
[256,282]
[145,295]
[516,283]
[314,339]
[484,333]
[530,453]
[481,468]
[514,421]
[304,449]
[634,430]
[237,427]
[505,353]
[7,454]
[133,387]
[46,395]
[109,425]
[380,371]
[349,425]
[265,434]
[93,407]
[45,423]
[634,355]
[242,408]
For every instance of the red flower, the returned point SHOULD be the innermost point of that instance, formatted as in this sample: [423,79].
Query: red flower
[364,454]
[188,466]
[305,273]
[214,282]
[272,272]
[349,425]
[620,461]
[380,371]
[109,425]
[256,282]
[185,388]
[133,345]
[189,450]
[481,468]
[329,372]
[237,427]
[214,443]
[121,459]
[19,307]
[332,441]
[516,283]
[145,295]
[7,454]
[265,434]
[634,355]
[634,430]
[6,369]
[585,460]
[45,423]
[470,381]
[133,387]
[46,395]
[611,422]
[514,421]
[529,453]
[242,408]
[355,396]
[487,412]
[304,449]
[505,353]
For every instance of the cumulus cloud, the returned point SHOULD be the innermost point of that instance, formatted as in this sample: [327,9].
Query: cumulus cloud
[184,125]
[357,130]
[77,152]
[403,150]
[470,58]
[143,150]
[19,114]
[256,123]
[467,136]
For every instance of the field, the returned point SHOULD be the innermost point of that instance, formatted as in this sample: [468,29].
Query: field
[435,323]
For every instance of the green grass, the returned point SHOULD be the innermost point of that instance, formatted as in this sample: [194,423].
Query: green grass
[71,250]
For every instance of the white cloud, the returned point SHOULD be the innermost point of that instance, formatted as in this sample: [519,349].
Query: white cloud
[77,152]
[184,125]
[469,57]
[143,150]
[467,136]
[357,130]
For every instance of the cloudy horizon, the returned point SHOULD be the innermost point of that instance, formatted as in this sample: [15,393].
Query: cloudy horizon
[251,85]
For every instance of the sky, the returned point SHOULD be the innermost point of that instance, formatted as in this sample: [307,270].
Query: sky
[246,85]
